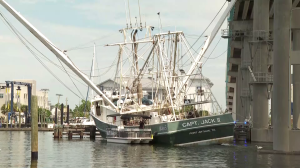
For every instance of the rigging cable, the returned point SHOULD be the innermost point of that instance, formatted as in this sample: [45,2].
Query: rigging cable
[205,61]
[207,27]
[217,56]
[19,35]
[44,57]
[98,69]
[70,77]
[212,51]
[78,46]
[87,94]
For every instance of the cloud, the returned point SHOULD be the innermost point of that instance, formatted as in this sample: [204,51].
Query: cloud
[5,39]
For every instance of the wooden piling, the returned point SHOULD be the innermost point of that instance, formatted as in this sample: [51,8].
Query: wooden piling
[20,119]
[92,132]
[25,116]
[34,164]
[60,131]
[68,113]
[44,121]
[55,116]
[56,135]
[62,114]
[7,121]
[70,135]
[34,128]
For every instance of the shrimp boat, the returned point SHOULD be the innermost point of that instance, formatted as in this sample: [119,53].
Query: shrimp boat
[173,115]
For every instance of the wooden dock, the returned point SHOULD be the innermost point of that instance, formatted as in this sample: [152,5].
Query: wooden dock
[77,130]
[24,129]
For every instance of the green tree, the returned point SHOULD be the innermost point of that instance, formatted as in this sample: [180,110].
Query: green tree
[58,105]
[5,109]
[79,109]
[24,107]
[48,113]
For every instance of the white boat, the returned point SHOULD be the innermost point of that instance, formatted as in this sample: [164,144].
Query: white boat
[128,136]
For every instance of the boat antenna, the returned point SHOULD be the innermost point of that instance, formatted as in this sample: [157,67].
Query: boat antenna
[159,20]
[126,14]
[141,25]
[136,22]
[129,15]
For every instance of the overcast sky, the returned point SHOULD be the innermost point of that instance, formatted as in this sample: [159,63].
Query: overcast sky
[77,23]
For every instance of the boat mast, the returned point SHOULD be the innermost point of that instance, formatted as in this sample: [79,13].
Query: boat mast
[120,83]
[62,56]
[163,64]
[93,69]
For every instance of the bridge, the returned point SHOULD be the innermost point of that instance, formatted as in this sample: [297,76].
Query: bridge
[263,42]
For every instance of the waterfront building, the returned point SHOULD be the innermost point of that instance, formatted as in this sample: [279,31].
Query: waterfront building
[42,97]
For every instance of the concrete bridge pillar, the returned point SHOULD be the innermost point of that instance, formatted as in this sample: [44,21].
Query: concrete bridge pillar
[260,54]
[246,59]
[296,82]
[281,73]
[239,115]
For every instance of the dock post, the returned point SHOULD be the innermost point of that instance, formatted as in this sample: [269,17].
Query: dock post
[92,132]
[62,114]
[11,104]
[70,134]
[25,117]
[7,121]
[68,112]
[60,131]
[19,120]
[81,134]
[34,164]
[55,119]
[34,128]
[55,131]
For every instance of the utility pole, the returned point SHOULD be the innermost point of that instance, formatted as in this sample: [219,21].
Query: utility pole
[44,111]
[59,95]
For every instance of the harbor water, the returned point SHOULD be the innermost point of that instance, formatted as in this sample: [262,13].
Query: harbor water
[15,152]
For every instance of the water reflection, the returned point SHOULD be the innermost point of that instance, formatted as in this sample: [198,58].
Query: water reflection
[34,164]
[15,152]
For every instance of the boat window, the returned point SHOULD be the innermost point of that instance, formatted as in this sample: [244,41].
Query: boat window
[115,102]
[146,101]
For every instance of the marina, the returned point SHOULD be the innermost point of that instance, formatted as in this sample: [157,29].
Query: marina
[150,88]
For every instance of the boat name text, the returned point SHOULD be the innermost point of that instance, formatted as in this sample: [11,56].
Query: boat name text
[195,123]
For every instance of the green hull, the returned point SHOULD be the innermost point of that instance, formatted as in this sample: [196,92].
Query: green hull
[204,130]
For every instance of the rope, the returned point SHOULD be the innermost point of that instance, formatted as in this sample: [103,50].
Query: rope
[20,36]
[207,27]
